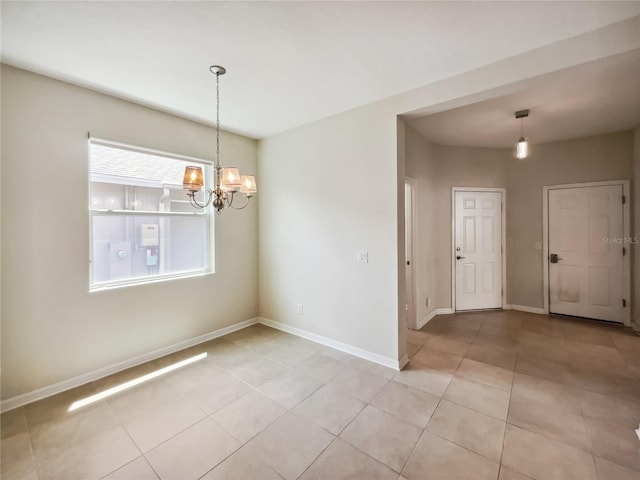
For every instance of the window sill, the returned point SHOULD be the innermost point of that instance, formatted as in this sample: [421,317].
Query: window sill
[100,287]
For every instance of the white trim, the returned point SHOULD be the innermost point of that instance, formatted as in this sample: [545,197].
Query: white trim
[503,193]
[146,150]
[524,308]
[40,393]
[445,311]
[626,227]
[329,342]
[426,319]
[403,361]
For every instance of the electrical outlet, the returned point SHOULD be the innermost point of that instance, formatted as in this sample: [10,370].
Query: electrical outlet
[299,308]
[363,257]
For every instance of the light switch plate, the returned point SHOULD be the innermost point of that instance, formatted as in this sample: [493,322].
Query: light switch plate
[363,257]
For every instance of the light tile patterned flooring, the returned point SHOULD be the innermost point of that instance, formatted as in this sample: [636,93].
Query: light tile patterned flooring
[495,395]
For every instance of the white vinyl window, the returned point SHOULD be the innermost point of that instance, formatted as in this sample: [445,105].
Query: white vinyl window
[143,228]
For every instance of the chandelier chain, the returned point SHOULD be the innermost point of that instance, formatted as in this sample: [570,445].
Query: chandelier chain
[217,119]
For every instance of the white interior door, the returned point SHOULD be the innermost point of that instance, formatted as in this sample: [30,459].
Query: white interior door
[586,263]
[478,250]
[410,309]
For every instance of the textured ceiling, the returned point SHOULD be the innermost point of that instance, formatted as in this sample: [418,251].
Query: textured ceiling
[289,63]
[590,99]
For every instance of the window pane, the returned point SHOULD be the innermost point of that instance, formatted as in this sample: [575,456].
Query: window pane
[139,246]
[131,165]
[129,247]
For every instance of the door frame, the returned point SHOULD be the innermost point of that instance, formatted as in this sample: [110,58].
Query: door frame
[503,239]
[413,306]
[626,233]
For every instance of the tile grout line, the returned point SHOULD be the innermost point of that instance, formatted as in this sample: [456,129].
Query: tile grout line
[506,425]
[31,449]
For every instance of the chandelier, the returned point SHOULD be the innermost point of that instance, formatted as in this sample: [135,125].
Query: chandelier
[228,181]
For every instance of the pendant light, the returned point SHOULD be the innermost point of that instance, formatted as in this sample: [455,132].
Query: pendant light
[227,181]
[522,148]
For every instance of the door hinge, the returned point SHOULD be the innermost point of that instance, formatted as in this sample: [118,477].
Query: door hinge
[624,199]
[624,251]
[624,302]
[502,292]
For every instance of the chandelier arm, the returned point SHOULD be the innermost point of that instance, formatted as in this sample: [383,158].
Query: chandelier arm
[228,198]
[244,206]
[195,204]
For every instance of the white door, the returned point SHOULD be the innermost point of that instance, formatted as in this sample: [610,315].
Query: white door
[586,268]
[478,250]
[410,308]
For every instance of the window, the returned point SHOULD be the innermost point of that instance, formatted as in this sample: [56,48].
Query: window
[142,225]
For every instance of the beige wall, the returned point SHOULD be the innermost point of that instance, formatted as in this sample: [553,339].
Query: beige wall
[438,168]
[329,191]
[53,329]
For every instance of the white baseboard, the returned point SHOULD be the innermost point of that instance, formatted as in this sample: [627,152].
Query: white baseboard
[445,311]
[329,342]
[524,308]
[427,319]
[40,393]
[403,361]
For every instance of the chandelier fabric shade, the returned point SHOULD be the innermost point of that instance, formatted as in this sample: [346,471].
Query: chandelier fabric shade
[193,180]
[248,186]
[228,181]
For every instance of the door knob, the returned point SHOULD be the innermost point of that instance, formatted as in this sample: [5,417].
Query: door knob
[459,257]
[553,258]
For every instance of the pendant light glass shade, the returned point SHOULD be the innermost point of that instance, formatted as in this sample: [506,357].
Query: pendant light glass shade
[248,186]
[193,180]
[522,149]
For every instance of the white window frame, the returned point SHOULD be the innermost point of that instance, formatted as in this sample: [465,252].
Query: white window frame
[209,254]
